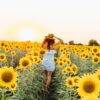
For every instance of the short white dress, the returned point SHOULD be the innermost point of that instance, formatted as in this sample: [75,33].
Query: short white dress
[48,60]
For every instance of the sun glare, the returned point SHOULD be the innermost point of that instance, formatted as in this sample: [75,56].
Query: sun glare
[26,34]
[25,31]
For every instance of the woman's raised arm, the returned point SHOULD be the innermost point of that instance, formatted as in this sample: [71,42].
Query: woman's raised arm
[60,40]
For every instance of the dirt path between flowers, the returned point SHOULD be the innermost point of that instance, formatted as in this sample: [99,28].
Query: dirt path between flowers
[51,94]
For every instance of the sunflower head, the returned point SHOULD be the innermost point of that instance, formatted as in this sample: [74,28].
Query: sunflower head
[13,86]
[67,70]
[88,86]
[2,57]
[60,63]
[94,49]
[7,76]
[76,80]
[74,69]
[70,82]
[95,59]
[25,62]
[13,53]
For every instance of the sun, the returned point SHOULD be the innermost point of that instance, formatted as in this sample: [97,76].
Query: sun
[25,31]
[26,34]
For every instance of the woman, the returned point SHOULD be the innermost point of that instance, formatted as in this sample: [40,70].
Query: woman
[48,58]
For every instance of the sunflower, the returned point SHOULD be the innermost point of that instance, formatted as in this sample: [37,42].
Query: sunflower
[13,53]
[70,82]
[61,49]
[64,71]
[25,62]
[68,61]
[36,53]
[31,58]
[68,55]
[76,80]
[60,64]
[74,69]
[6,49]
[89,48]
[86,56]
[83,55]
[94,49]
[42,51]
[98,54]
[67,70]
[55,59]
[37,60]
[2,57]
[7,76]
[95,59]
[13,86]
[88,85]
[64,53]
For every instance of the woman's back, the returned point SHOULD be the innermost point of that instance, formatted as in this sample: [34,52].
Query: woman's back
[49,56]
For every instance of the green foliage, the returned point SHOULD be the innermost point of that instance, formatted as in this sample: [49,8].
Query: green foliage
[30,84]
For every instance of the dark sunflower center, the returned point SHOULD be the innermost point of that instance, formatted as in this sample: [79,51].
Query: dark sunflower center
[7,76]
[98,54]
[35,54]
[68,62]
[13,53]
[86,56]
[1,57]
[25,63]
[60,59]
[36,59]
[2,44]
[96,59]
[70,82]
[13,85]
[61,64]
[68,69]
[64,60]
[76,80]
[61,50]
[55,59]
[89,87]
[74,69]
[95,50]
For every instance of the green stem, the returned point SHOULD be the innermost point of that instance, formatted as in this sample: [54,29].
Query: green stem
[70,94]
[3,95]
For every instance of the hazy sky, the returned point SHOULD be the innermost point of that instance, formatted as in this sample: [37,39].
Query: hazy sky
[77,20]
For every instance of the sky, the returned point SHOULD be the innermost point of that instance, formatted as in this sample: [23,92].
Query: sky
[23,20]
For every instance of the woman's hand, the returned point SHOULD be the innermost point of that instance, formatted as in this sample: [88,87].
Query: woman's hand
[61,41]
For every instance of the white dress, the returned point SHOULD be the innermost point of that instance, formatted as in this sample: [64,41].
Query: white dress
[48,60]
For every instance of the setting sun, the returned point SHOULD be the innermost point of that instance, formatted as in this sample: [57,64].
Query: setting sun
[28,34]
[25,31]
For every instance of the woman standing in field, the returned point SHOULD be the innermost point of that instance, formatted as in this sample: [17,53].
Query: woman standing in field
[48,58]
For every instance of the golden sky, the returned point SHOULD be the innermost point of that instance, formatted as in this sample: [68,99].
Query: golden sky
[77,20]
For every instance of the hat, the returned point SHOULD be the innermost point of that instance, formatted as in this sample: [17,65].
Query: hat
[50,36]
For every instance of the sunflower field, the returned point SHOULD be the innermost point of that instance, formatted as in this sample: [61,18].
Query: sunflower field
[77,74]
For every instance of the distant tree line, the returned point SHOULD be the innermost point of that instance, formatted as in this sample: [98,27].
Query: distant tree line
[91,42]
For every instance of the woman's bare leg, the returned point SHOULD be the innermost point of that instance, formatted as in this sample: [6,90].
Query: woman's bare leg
[45,77]
[49,77]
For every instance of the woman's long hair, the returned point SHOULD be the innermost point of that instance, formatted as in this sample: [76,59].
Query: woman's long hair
[49,41]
